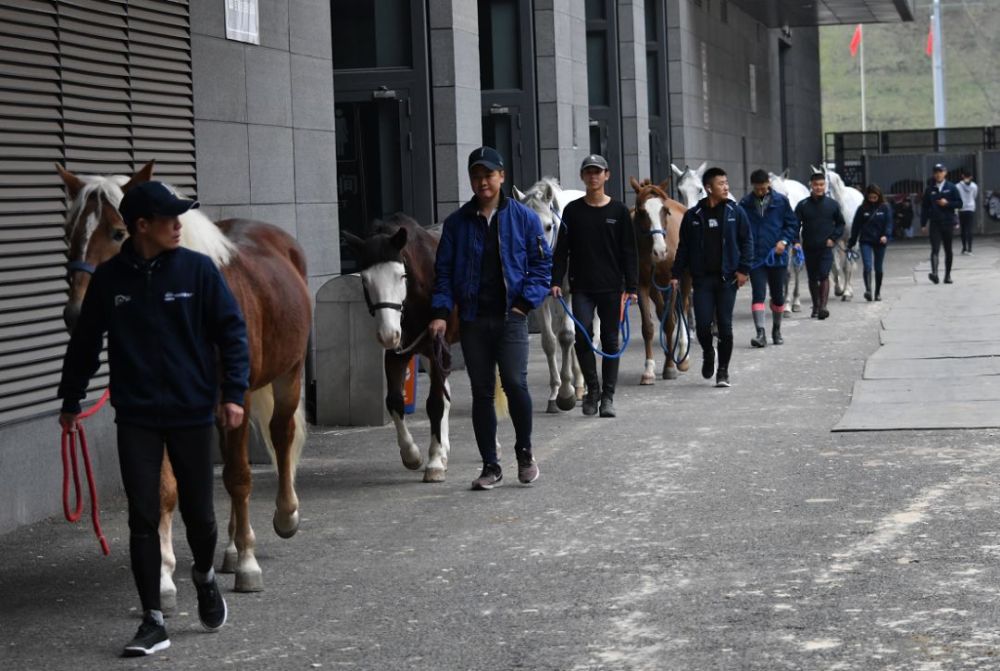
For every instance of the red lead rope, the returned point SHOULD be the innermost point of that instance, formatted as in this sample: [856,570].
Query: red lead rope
[69,455]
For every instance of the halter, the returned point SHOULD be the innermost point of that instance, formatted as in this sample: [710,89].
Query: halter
[80,266]
[372,307]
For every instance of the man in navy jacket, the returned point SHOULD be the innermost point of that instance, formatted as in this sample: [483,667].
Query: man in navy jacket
[494,264]
[716,247]
[172,326]
[775,228]
[941,199]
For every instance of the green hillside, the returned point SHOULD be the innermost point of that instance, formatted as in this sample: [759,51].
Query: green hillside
[899,89]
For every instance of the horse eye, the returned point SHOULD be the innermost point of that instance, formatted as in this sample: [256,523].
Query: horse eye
[118,235]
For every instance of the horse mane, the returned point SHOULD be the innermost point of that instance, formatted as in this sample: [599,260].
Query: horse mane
[105,188]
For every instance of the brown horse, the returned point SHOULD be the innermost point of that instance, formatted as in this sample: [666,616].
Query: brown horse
[397,273]
[266,271]
[657,220]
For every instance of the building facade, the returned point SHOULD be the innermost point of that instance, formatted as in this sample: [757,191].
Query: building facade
[339,112]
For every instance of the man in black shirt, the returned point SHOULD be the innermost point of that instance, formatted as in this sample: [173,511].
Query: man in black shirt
[940,201]
[598,243]
[822,225]
[716,247]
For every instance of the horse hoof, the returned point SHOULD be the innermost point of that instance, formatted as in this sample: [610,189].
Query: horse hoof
[669,373]
[434,475]
[229,560]
[286,525]
[411,463]
[838,292]
[796,307]
[647,379]
[565,403]
[552,408]
[249,582]
[168,602]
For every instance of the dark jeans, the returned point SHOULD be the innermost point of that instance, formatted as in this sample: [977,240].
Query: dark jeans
[715,299]
[872,253]
[772,277]
[608,307]
[966,220]
[941,233]
[819,261]
[489,343]
[140,455]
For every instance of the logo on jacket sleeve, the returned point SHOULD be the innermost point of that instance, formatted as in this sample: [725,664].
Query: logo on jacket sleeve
[122,299]
[171,296]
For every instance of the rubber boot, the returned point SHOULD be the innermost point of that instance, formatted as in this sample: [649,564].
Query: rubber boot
[933,275]
[760,340]
[824,296]
[609,375]
[878,286]
[947,266]
[868,286]
[588,366]
[776,314]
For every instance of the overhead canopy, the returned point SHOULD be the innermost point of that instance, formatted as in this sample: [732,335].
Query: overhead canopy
[778,13]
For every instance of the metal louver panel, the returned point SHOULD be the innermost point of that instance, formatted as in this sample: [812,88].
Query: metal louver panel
[102,86]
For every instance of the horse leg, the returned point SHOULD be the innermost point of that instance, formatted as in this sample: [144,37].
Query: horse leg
[649,369]
[848,276]
[796,302]
[395,375]
[572,386]
[685,339]
[168,562]
[288,436]
[238,480]
[669,372]
[549,347]
[837,270]
[438,406]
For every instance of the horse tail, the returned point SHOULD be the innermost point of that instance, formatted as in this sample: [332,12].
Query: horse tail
[500,399]
[261,411]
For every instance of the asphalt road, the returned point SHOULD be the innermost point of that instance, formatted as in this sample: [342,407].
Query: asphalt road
[701,529]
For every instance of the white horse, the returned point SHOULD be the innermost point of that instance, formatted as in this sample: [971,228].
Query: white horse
[794,191]
[689,184]
[850,199]
[566,384]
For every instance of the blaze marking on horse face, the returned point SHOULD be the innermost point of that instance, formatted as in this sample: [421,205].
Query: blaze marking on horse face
[386,283]
[656,212]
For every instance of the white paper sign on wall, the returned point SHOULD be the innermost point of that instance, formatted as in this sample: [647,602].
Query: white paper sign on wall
[242,22]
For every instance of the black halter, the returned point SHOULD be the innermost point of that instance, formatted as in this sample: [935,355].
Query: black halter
[372,307]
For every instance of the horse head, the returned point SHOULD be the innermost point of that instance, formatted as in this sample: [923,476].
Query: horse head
[384,277]
[652,212]
[94,228]
[543,199]
[689,183]
[790,188]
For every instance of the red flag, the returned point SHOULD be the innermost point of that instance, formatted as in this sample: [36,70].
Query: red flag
[930,40]
[856,41]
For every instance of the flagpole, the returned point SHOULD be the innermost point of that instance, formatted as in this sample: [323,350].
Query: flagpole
[938,66]
[861,62]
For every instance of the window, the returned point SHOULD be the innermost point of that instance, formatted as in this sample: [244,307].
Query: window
[499,45]
[373,34]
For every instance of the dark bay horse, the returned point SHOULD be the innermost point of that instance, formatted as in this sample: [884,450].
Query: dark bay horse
[266,271]
[397,273]
[657,220]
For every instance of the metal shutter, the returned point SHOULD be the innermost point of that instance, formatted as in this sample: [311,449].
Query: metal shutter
[104,86]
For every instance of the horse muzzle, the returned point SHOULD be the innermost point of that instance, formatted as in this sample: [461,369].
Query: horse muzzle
[389,338]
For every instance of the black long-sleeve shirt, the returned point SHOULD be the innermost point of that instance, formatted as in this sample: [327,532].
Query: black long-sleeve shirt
[821,219]
[598,245]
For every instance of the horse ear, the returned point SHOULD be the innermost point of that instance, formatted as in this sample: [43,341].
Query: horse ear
[701,168]
[677,171]
[784,175]
[143,174]
[664,185]
[74,185]
[518,193]
[356,244]
[635,184]
[398,239]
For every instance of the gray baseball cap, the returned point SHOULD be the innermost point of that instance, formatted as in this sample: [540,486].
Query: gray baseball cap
[594,161]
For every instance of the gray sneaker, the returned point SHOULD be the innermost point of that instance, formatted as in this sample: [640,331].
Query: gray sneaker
[527,471]
[491,477]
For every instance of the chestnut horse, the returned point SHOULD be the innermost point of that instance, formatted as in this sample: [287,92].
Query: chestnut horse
[265,269]
[397,274]
[657,220]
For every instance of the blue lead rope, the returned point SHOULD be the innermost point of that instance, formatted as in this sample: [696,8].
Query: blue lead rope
[623,327]
[773,260]
[678,309]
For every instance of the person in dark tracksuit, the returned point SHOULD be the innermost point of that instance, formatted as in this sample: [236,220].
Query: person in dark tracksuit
[716,247]
[174,328]
[494,264]
[941,199]
[872,225]
[598,245]
[969,191]
[822,224]
[775,228]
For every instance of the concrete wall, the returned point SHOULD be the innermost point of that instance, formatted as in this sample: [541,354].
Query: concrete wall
[264,124]
[803,96]
[632,86]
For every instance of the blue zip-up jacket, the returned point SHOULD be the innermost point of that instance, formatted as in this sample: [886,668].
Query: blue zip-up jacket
[777,223]
[871,222]
[737,242]
[934,212]
[525,258]
[164,319]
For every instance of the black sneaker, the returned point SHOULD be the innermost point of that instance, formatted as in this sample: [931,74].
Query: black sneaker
[491,477]
[589,404]
[151,637]
[212,609]
[607,407]
[722,378]
[933,277]
[947,279]
[527,470]
[708,363]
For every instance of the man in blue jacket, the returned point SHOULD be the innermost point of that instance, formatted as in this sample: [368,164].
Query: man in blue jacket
[775,228]
[494,264]
[716,247]
[173,327]
[941,199]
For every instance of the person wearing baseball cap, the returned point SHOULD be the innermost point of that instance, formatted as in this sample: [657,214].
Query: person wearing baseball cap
[177,354]
[597,245]
[493,266]
[941,200]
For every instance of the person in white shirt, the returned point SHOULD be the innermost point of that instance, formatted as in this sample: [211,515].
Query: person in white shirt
[969,191]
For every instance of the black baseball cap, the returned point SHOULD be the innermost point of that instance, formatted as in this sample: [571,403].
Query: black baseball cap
[487,157]
[594,161]
[152,199]
[939,167]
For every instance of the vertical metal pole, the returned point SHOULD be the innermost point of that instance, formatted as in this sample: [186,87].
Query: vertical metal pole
[938,67]
[861,62]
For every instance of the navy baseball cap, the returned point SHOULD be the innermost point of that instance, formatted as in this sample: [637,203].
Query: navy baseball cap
[939,167]
[152,199]
[594,161]
[487,157]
